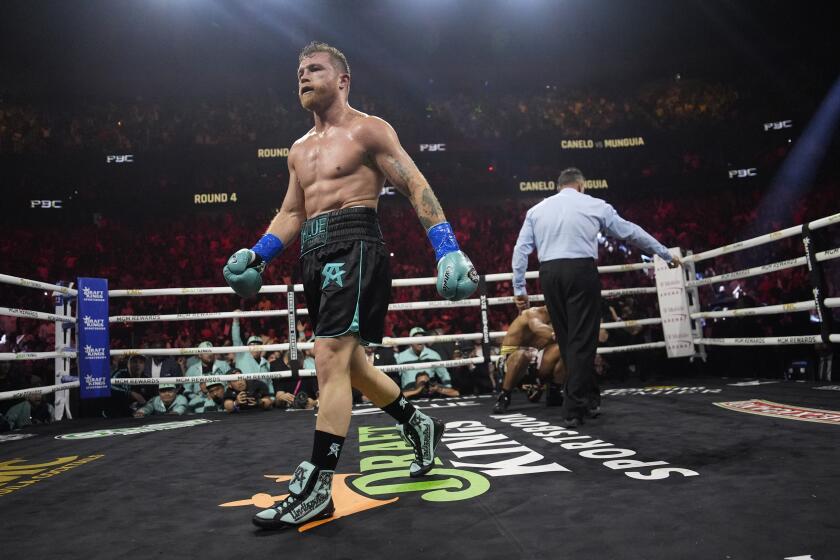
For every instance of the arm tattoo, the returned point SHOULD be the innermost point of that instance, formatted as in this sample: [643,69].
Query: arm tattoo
[429,210]
[403,175]
[423,199]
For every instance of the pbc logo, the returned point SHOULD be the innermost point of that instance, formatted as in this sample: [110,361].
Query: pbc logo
[743,173]
[126,158]
[45,204]
[779,125]
[432,147]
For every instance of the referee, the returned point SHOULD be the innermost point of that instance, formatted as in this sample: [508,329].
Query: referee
[564,229]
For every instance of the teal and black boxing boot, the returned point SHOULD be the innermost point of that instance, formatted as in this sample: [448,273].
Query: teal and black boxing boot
[309,499]
[422,433]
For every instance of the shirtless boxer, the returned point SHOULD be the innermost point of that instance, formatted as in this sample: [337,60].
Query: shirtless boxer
[336,172]
[532,329]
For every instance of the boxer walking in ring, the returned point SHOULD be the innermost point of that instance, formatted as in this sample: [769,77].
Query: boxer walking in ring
[564,229]
[336,172]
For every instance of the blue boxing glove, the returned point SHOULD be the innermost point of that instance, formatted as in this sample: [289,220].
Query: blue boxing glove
[457,278]
[244,268]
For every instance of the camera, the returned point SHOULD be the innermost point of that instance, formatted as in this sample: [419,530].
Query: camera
[301,399]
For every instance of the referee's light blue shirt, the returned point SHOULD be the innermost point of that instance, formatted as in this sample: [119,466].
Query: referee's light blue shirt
[566,226]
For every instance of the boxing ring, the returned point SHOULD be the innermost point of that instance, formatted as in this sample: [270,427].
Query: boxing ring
[666,473]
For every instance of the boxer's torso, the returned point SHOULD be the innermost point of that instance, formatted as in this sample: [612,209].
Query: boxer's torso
[335,169]
[520,333]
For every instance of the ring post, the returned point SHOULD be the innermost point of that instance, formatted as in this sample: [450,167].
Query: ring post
[694,307]
[485,322]
[63,341]
[817,281]
[294,363]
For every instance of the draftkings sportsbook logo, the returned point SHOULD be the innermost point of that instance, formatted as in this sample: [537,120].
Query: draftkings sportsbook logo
[16,474]
[93,295]
[93,324]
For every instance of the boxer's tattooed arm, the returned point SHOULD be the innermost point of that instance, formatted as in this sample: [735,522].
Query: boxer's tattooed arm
[414,186]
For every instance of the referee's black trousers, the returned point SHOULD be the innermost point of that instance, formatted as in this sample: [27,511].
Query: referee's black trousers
[572,292]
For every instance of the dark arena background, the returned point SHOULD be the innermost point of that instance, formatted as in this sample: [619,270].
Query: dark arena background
[144,142]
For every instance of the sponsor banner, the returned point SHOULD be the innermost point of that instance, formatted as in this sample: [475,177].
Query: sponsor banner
[743,173]
[673,305]
[662,390]
[778,125]
[589,448]
[14,437]
[608,143]
[17,474]
[120,158]
[776,410]
[551,186]
[136,430]
[94,355]
[439,147]
[215,198]
[47,204]
[272,153]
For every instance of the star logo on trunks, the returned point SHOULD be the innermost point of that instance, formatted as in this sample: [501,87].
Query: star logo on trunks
[332,273]
[403,402]
[334,449]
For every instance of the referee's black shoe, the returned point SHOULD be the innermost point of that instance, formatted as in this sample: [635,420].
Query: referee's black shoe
[502,403]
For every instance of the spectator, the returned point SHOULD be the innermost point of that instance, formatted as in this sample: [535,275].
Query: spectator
[252,394]
[423,381]
[33,410]
[213,400]
[135,396]
[208,364]
[294,393]
[168,401]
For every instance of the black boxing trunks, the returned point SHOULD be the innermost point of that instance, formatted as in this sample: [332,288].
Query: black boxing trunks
[346,277]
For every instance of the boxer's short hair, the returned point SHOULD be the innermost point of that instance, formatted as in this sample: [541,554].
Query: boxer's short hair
[338,58]
[570,175]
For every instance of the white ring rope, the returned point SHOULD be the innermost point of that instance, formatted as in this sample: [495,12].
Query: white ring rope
[222,290]
[23,356]
[23,393]
[762,239]
[772,267]
[630,347]
[6,279]
[203,316]
[832,302]
[751,311]
[764,340]
[28,314]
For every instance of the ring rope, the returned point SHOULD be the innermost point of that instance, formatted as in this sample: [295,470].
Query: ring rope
[26,283]
[750,311]
[762,239]
[766,340]
[29,314]
[756,270]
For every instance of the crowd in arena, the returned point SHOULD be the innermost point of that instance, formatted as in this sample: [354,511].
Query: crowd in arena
[141,124]
[158,251]
[192,251]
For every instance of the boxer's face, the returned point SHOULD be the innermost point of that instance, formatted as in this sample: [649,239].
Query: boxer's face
[319,82]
